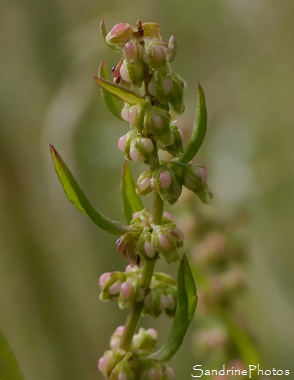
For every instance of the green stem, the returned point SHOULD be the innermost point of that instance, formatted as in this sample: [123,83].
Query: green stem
[147,272]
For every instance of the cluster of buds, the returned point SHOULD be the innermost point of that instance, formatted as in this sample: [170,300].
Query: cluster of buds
[147,240]
[117,364]
[170,177]
[146,60]
[125,288]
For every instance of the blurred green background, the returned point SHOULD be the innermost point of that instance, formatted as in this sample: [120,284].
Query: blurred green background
[51,256]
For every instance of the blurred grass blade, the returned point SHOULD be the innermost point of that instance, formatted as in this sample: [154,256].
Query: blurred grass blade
[120,92]
[186,304]
[75,195]
[131,200]
[199,128]
[9,369]
[112,103]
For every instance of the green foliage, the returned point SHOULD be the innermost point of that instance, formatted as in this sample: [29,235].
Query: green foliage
[9,369]
[76,196]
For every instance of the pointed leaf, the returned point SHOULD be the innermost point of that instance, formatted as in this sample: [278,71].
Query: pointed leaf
[112,103]
[122,93]
[186,304]
[9,369]
[199,128]
[131,200]
[75,195]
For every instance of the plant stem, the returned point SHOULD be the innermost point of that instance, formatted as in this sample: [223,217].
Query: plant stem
[147,272]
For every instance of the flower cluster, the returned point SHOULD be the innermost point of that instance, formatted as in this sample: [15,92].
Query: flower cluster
[125,288]
[117,364]
[147,240]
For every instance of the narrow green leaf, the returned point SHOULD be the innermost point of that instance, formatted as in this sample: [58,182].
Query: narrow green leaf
[122,93]
[186,304]
[199,128]
[9,369]
[112,103]
[75,195]
[131,200]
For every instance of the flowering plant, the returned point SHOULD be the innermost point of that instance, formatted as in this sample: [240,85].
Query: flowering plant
[146,93]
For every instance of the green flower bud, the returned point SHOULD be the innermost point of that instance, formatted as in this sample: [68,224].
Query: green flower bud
[151,30]
[143,185]
[177,93]
[142,150]
[145,246]
[109,360]
[166,240]
[157,123]
[176,148]
[157,371]
[155,53]
[123,370]
[167,185]
[160,87]
[120,33]
[194,179]
[110,284]
[145,340]
[132,72]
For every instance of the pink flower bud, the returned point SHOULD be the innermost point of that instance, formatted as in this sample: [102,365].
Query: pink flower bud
[120,33]
[171,302]
[130,52]
[169,373]
[126,290]
[163,302]
[124,73]
[153,333]
[103,278]
[201,171]
[103,363]
[125,112]
[115,288]
[121,144]
[149,249]
[122,376]
[135,154]
[172,49]
[165,179]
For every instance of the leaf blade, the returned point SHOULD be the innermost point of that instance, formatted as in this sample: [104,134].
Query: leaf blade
[76,196]
[122,93]
[131,200]
[9,368]
[111,101]
[187,301]
[199,128]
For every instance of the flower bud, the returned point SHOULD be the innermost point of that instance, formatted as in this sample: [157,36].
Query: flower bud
[115,338]
[172,49]
[151,30]
[142,150]
[157,122]
[145,339]
[167,185]
[176,148]
[177,94]
[132,72]
[123,370]
[143,185]
[126,246]
[194,179]
[160,86]
[165,243]
[155,53]
[145,246]
[119,34]
[109,360]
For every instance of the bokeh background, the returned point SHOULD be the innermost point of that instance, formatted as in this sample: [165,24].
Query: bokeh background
[51,256]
